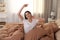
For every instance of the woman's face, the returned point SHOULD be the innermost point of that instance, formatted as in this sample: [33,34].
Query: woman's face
[28,15]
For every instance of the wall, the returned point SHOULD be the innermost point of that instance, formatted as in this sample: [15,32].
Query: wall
[58,13]
[58,10]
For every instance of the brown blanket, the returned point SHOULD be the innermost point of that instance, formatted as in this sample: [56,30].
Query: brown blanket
[35,34]
[42,33]
[17,35]
[14,33]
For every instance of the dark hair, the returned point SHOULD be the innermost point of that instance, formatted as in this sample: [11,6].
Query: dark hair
[25,14]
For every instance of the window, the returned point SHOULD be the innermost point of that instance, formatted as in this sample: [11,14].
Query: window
[35,6]
[15,5]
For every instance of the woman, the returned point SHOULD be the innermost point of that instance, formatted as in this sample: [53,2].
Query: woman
[29,21]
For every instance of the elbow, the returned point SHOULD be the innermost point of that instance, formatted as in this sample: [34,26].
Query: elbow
[18,14]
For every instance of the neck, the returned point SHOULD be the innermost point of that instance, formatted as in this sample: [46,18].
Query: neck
[30,19]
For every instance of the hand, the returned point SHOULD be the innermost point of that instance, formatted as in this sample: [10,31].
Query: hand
[25,5]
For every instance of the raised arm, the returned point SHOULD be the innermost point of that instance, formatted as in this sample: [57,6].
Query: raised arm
[19,13]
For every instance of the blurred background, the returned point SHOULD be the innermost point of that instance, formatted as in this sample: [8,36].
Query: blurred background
[48,9]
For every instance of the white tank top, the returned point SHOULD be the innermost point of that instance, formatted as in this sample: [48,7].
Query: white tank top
[29,26]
